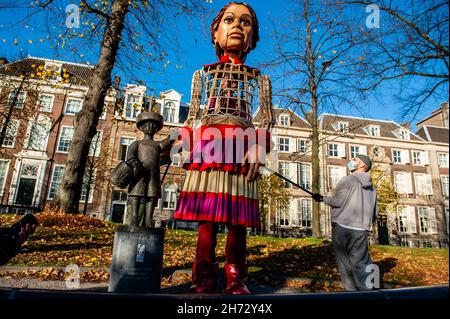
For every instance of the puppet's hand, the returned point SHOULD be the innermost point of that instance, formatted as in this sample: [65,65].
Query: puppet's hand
[255,156]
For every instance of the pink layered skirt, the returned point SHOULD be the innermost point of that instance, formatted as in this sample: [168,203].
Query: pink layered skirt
[218,192]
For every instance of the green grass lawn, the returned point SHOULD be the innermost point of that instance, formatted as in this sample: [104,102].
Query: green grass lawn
[62,240]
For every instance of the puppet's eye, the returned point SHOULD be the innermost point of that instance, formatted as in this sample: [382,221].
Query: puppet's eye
[228,20]
[246,23]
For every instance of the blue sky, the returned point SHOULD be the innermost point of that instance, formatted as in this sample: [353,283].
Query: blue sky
[191,49]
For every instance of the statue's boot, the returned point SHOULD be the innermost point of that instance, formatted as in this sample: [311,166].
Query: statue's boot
[237,275]
[204,277]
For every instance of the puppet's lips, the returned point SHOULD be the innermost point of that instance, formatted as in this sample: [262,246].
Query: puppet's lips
[236,34]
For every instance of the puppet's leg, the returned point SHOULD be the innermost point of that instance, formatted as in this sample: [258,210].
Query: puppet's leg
[204,269]
[236,269]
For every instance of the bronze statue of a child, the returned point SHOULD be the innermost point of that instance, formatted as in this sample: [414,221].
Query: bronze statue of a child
[144,157]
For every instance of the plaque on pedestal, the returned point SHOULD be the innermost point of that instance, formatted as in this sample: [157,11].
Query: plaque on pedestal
[137,260]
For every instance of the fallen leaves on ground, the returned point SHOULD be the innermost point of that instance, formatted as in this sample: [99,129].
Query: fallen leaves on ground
[63,239]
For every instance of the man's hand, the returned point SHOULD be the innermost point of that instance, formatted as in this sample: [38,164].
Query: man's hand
[255,157]
[317,197]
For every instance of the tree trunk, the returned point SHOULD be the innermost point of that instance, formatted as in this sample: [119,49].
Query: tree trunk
[87,119]
[315,165]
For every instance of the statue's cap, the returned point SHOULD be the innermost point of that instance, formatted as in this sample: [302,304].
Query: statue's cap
[150,117]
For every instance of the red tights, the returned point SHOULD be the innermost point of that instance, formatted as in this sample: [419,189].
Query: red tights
[235,247]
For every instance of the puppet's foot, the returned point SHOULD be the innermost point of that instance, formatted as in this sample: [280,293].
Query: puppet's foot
[236,279]
[204,277]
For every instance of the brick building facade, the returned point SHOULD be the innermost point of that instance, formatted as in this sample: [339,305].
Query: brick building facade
[36,146]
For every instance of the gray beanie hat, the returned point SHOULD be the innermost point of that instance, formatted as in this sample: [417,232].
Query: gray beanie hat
[366,160]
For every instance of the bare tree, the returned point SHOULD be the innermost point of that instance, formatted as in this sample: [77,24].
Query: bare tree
[107,23]
[406,42]
[317,57]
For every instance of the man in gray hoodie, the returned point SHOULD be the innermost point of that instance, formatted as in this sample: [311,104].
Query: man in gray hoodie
[353,210]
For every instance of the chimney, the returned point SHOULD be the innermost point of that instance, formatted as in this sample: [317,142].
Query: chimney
[3,61]
[116,82]
[444,107]
[406,125]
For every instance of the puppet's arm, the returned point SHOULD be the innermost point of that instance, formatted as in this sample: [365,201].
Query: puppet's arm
[265,102]
[196,97]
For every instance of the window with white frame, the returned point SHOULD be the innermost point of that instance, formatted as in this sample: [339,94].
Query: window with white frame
[373,130]
[445,185]
[423,184]
[443,159]
[169,195]
[303,146]
[283,144]
[11,132]
[354,150]
[304,175]
[342,127]
[88,184]
[17,99]
[58,172]
[284,216]
[96,144]
[133,106]
[427,217]
[37,135]
[402,182]
[406,217]
[65,139]
[397,156]
[377,151]
[169,112]
[73,105]
[335,173]
[417,158]
[403,134]
[304,212]
[125,142]
[333,150]
[45,102]
[3,172]
[400,156]
[283,169]
[283,120]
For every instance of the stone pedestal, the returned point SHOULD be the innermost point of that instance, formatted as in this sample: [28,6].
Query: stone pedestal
[137,260]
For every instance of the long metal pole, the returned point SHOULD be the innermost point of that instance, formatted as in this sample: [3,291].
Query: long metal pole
[287,179]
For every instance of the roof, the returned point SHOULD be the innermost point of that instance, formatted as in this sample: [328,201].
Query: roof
[357,125]
[434,133]
[79,74]
[295,120]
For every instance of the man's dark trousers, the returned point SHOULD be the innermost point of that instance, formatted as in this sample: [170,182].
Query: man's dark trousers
[351,248]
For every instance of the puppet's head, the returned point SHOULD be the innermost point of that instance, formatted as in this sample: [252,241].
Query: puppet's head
[234,31]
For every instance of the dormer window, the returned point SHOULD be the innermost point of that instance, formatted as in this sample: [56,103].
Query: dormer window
[52,71]
[341,127]
[373,130]
[284,120]
[404,134]
[169,112]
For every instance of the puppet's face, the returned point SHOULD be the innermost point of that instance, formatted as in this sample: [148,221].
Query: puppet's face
[235,30]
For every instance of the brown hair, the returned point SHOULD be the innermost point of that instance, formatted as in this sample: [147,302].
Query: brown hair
[255,28]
